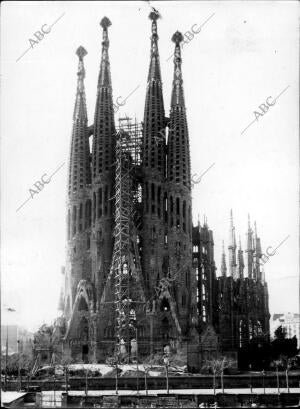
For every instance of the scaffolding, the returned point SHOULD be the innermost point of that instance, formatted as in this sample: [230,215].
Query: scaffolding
[125,272]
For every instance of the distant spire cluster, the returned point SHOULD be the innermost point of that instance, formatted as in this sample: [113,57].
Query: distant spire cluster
[238,268]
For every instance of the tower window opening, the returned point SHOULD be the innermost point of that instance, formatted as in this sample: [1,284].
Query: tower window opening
[94,207]
[99,202]
[152,192]
[105,200]
[80,218]
[165,306]
[74,220]
[69,223]
[177,206]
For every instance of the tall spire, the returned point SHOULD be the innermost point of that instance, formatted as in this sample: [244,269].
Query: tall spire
[104,128]
[179,186]
[154,69]
[104,79]
[257,255]
[103,161]
[179,163]
[154,113]
[79,166]
[232,248]
[78,191]
[249,250]
[223,263]
[177,91]
[80,104]
[241,264]
[154,161]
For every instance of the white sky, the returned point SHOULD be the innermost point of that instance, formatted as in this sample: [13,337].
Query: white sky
[245,53]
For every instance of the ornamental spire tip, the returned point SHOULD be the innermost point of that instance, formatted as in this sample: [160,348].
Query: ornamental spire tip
[81,52]
[154,15]
[105,22]
[177,37]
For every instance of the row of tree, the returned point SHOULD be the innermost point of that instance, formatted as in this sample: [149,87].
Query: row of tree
[261,354]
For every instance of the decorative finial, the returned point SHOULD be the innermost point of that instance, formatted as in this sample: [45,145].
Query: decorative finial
[223,247]
[81,52]
[154,15]
[177,37]
[105,22]
[248,221]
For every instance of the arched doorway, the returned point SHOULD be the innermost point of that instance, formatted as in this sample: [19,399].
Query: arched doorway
[84,336]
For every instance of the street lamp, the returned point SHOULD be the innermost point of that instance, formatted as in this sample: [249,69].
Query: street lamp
[137,361]
[86,382]
[6,358]
[67,378]
[8,309]
[214,380]
[287,375]
[222,379]
[277,378]
[146,383]
[19,371]
[263,375]
[166,362]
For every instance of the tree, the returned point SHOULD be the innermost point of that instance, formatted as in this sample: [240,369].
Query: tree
[256,353]
[280,333]
[217,367]
[283,346]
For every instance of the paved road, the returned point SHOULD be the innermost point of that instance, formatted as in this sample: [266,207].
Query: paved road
[243,391]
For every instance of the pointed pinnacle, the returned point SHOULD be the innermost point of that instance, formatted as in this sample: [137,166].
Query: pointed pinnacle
[177,37]
[81,52]
[105,22]
[154,15]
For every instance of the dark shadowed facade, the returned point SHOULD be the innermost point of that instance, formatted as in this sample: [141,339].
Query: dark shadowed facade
[137,269]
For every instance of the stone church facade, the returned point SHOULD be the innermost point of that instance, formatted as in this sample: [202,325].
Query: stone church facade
[135,227]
